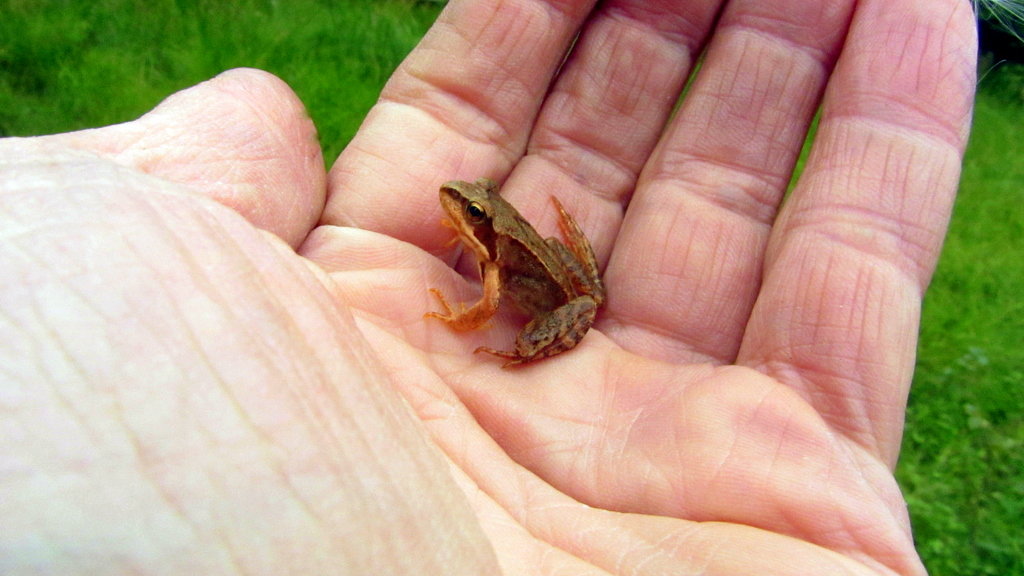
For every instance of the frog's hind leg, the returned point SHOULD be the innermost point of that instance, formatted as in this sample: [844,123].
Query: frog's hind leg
[583,281]
[551,334]
[577,255]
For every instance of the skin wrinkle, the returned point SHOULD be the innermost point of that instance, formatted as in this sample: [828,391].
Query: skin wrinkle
[266,446]
[504,105]
[628,423]
[618,564]
[902,118]
[528,18]
[793,524]
[864,530]
[697,175]
[206,170]
[703,171]
[883,399]
[353,171]
[672,24]
[641,59]
[676,268]
[875,311]
[840,389]
[853,542]
[964,123]
[718,268]
[831,401]
[265,440]
[868,466]
[367,431]
[832,239]
[199,273]
[726,92]
[561,151]
[854,395]
[778,131]
[487,129]
[622,142]
[884,245]
[897,106]
[922,80]
[315,414]
[577,547]
[828,402]
[649,329]
[717,472]
[651,555]
[641,54]
[903,224]
[768,208]
[81,419]
[906,56]
[146,463]
[55,336]
[633,432]
[793,42]
[564,149]
[144,468]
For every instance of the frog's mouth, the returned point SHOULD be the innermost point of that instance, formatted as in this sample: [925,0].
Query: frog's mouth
[465,233]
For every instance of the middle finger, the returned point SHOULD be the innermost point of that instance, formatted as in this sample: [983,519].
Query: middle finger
[688,258]
[606,109]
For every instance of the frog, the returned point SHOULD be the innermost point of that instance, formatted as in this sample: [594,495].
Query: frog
[556,285]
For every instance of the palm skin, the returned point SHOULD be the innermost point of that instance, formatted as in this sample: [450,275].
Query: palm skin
[737,408]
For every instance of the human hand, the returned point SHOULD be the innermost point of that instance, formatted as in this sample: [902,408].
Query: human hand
[737,408]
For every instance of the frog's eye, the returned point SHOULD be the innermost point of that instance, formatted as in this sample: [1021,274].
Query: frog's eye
[475,212]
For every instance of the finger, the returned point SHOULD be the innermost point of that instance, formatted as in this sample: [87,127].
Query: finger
[855,247]
[687,263]
[460,106]
[242,138]
[606,110]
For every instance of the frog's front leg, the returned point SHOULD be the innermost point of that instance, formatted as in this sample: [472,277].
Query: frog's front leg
[479,313]
[550,334]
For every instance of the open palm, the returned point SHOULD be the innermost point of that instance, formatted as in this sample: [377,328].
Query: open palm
[737,407]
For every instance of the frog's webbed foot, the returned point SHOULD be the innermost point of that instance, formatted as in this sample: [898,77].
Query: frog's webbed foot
[467,318]
[513,357]
[477,315]
[448,313]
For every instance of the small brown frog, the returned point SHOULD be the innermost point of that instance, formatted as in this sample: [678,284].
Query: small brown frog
[557,285]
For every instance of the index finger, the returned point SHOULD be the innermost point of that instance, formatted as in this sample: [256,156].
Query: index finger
[460,106]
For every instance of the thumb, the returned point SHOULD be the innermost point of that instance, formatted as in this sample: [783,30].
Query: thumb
[242,138]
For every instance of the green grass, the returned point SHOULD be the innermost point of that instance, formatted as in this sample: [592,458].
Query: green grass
[963,455]
[70,65]
[66,65]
